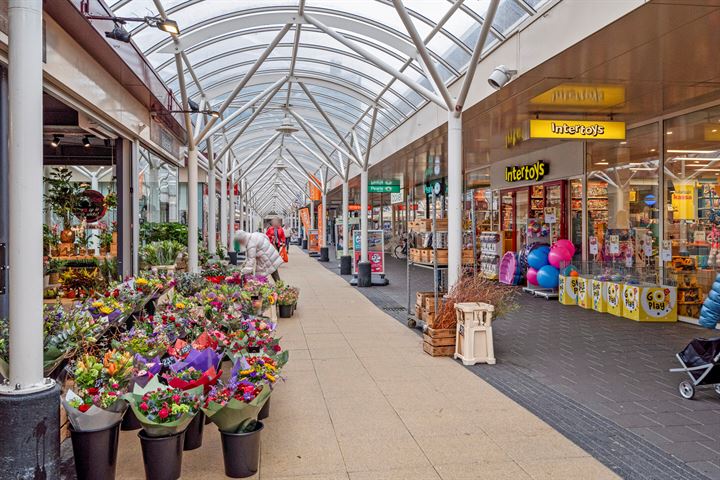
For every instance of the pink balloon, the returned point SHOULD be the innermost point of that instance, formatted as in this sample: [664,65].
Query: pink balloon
[567,245]
[532,276]
[559,257]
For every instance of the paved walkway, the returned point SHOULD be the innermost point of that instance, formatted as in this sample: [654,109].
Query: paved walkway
[600,380]
[362,401]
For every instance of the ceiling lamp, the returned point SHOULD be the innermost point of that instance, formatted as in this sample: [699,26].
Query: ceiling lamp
[287,128]
[86,141]
[56,140]
[280,164]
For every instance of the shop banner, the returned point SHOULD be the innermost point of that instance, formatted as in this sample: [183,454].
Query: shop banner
[305,217]
[315,192]
[376,250]
[577,129]
[319,217]
[683,200]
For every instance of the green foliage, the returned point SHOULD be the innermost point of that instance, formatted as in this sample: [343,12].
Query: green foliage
[161,253]
[54,266]
[156,232]
[62,194]
[188,284]
[109,269]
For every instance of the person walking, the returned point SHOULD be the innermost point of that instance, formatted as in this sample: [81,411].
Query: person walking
[261,258]
[276,235]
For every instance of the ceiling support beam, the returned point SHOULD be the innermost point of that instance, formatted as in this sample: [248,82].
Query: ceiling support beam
[249,121]
[377,61]
[472,66]
[424,55]
[258,161]
[302,169]
[258,151]
[324,159]
[242,109]
[330,123]
[307,124]
[246,78]
[366,162]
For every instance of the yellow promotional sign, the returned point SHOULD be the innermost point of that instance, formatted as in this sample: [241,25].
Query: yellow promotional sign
[615,298]
[568,290]
[577,129]
[599,295]
[650,303]
[683,200]
[579,95]
[584,296]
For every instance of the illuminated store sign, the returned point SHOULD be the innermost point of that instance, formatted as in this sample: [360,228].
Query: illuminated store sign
[527,173]
[578,95]
[577,129]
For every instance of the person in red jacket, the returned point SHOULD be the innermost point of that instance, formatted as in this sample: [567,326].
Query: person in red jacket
[276,234]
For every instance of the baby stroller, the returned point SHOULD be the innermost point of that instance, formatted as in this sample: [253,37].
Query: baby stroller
[701,360]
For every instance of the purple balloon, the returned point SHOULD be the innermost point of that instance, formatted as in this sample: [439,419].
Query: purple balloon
[559,257]
[532,276]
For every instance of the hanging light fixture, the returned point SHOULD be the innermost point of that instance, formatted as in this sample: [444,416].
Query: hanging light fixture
[287,128]
[56,140]
[86,141]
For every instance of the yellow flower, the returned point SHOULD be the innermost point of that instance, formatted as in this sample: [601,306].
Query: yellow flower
[180,305]
[271,299]
[97,304]
[106,310]
[270,377]
[245,372]
[270,367]
[141,281]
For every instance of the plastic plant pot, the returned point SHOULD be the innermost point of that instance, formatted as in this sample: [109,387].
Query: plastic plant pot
[286,311]
[241,452]
[130,421]
[162,456]
[95,452]
[194,432]
[265,410]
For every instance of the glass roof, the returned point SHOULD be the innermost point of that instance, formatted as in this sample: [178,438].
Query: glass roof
[221,41]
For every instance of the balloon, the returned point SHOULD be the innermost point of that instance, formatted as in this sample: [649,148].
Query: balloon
[538,257]
[547,277]
[559,256]
[574,274]
[532,276]
[568,270]
[567,245]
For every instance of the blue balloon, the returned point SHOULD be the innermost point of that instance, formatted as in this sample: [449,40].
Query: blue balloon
[538,258]
[569,269]
[547,276]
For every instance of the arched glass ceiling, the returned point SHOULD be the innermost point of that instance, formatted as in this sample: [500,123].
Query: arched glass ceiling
[338,60]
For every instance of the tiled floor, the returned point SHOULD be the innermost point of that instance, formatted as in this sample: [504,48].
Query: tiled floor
[362,401]
[610,374]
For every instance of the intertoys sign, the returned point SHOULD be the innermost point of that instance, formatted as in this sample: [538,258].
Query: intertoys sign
[527,173]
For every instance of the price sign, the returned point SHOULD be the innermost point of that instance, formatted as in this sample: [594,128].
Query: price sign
[648,246]
[666,251]
[614,244]
[593,246]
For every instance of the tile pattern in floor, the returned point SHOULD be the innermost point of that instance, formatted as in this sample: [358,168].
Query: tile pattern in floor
[614,373]
[362,401]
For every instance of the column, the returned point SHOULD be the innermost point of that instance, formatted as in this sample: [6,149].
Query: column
[345,218]
[364,216]
[455,193]
[324,252]
[231,215]
[29,405]
[192,167]
[212,203]
[224,202]
[312,214]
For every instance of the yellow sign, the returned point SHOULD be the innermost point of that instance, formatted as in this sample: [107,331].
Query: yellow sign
[614,298]
[650,303]
[599,294]
[577,129]
[577,95]
[712,132]
[683,200]
[567,290]
[584,295]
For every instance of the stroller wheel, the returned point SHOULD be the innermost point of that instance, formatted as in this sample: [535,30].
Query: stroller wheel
[687,390]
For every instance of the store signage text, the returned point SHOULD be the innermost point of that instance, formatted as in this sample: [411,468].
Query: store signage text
[577,129]
[527,173]
[579,95]
[387,185]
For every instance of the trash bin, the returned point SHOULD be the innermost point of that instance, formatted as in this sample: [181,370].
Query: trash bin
[473,334]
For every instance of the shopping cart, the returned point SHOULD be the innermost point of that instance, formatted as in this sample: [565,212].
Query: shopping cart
[701,360]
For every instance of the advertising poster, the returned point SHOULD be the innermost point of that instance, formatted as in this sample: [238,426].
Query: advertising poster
[313,240]
[376,254]
[683,200]
[305,218]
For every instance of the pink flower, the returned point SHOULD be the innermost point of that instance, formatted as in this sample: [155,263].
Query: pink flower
[163,413]
[84,407]
[144,406]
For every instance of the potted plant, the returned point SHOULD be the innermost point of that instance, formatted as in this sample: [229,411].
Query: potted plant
[63,196]
[234,407]
[51,239]
[82,239]
[53,269]
[164,413]
[287,297]
[95,411]
[105,238]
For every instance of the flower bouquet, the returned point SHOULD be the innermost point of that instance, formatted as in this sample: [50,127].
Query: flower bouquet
[163,410]
[199,368]
[144,369]
[100,386]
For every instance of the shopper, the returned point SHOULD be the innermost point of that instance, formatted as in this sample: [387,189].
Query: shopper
[276,234]
[261,258]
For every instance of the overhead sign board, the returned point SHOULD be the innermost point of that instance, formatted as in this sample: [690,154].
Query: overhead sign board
[581,95]
[384,182]
[577,129]
[383,188]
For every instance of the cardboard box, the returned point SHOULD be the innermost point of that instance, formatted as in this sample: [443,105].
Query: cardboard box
[614,298]
[567,290]
[650,303]
[584,298]
[598,295]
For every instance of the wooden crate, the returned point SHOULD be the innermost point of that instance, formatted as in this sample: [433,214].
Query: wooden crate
[421,296]
[442,256]
[439,342]
[430,303]
[414,255]
[428,317]
[426,255]
[418,312]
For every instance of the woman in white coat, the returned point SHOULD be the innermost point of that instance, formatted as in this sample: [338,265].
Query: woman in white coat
[261,258]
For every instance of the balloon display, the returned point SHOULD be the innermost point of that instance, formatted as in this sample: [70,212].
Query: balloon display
[538,257]
[567,245]
[532,276]
[559,256]
[547,277]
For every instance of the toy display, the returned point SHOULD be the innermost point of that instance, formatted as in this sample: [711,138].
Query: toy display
[584,295]
[568,289]
[710,311]
[649,303]
[548,276]
[510,273]
[531,276]
[538,257]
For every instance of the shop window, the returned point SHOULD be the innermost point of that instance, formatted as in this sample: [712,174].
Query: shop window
[622,201]
[158,185]
[692,202]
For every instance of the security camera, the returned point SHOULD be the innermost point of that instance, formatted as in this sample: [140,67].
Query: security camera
[500,77]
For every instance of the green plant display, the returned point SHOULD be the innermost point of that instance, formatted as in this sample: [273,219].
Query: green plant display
[155,232]
[161,253]
[62,194]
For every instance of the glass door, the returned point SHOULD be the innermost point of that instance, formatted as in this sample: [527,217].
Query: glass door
[576,207]
[521,218]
